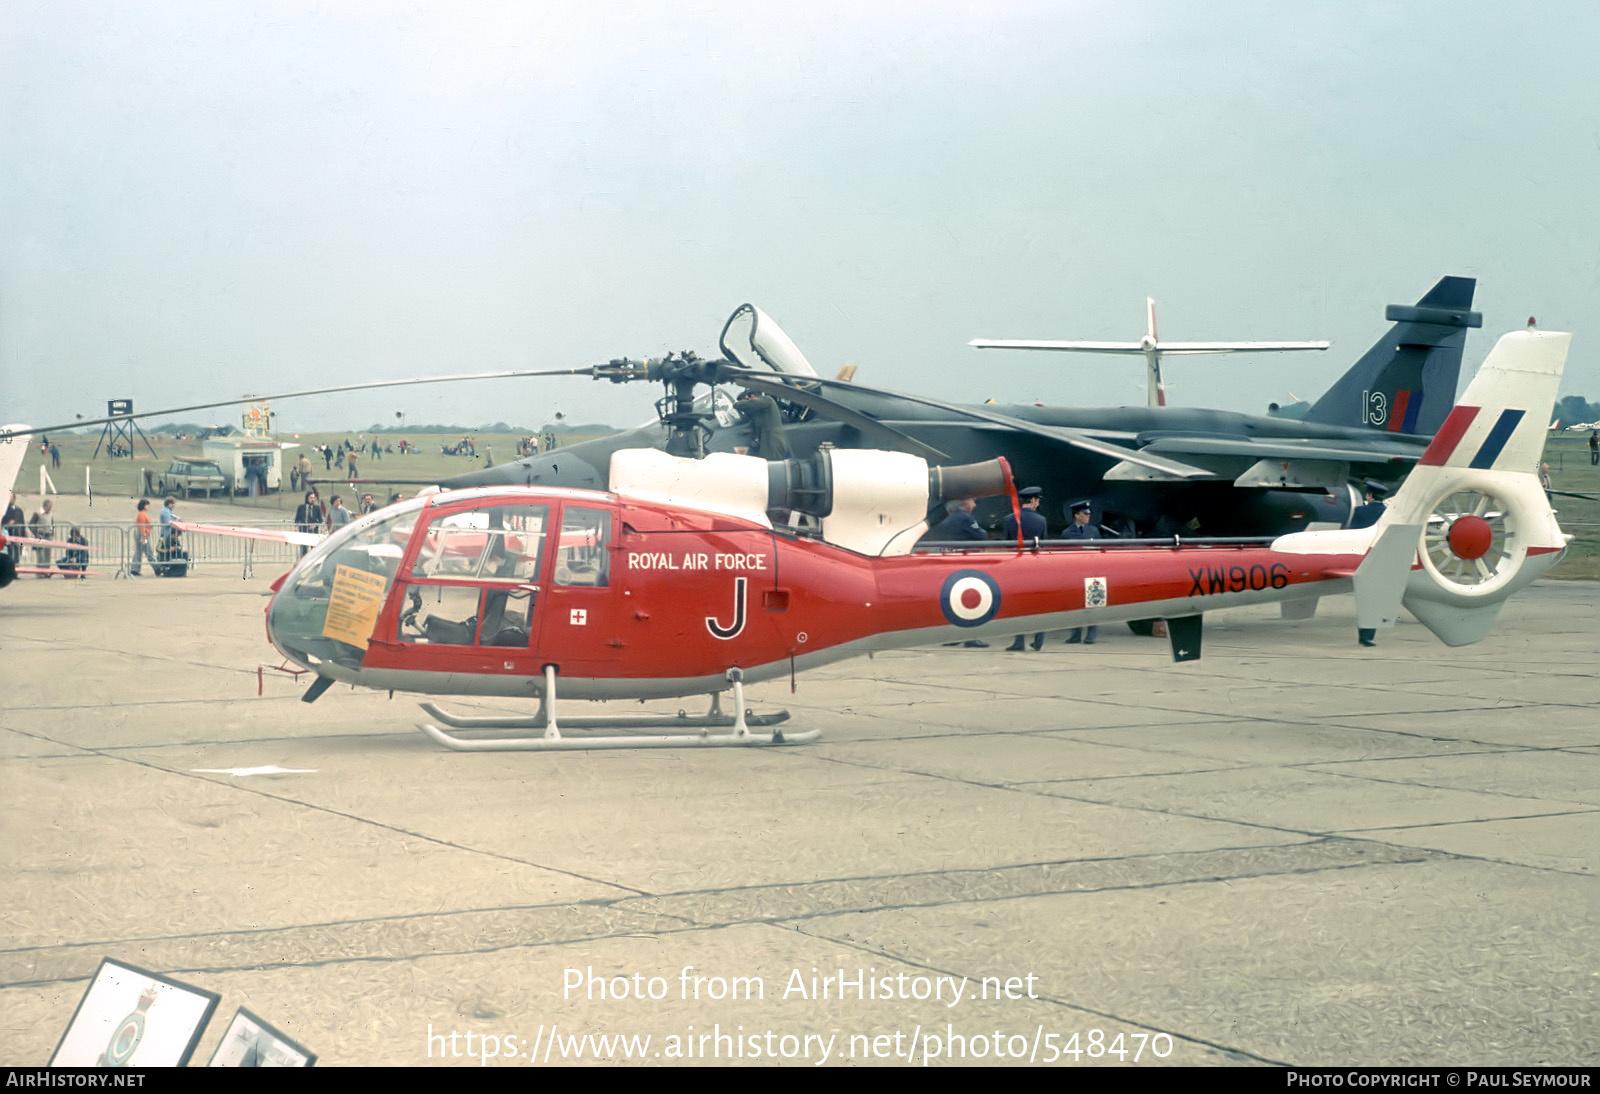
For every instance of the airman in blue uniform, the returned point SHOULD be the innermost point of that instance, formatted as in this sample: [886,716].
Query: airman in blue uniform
[960,524]
[1365,516]
[1082,527]
[1033,528]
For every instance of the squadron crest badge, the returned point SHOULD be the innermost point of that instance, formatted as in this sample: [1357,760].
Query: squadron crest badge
[1094,592]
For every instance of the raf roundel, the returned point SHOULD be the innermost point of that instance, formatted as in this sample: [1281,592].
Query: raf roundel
[969,598]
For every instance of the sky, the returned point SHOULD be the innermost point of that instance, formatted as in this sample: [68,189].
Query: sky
[201,201]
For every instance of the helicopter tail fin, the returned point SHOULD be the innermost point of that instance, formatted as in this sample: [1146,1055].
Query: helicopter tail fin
[1487,525]
[1406,382]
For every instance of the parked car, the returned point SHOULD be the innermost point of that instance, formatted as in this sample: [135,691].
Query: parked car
[187,476]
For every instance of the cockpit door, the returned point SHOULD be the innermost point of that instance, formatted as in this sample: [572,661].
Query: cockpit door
[578,623]
[470,599]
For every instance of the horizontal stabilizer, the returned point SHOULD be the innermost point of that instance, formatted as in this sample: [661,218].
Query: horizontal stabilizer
[1406,382]
[1438,317]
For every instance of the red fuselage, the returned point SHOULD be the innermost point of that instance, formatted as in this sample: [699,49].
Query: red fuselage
[636,599]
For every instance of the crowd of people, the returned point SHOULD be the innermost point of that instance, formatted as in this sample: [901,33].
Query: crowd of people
[42,525]
[166,555]
[157,541]
[533,445]
[344,455]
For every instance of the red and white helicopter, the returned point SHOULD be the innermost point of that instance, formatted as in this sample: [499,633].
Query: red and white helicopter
[679,582]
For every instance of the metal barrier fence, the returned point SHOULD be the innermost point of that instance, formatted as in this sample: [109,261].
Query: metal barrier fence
[1573,468]
[111,546]
[1578,512]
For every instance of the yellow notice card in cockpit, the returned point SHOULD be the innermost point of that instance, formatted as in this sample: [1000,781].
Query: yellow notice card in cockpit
[354,605]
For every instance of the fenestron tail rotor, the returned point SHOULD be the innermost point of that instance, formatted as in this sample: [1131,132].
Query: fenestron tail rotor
[1470,541]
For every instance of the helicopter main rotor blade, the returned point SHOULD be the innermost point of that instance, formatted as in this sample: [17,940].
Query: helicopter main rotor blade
[515,374]
[1053,432]
[904,442]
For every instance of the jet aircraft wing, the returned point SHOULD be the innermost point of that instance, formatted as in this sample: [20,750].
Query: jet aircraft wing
[872,427]
[1282,448]
[1077,439]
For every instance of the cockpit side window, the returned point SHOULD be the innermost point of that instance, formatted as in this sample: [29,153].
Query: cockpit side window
[331,602]
[464,615]
[492,543]
[584,557]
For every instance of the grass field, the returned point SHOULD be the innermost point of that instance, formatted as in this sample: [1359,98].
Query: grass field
[123,477]
[1568,458]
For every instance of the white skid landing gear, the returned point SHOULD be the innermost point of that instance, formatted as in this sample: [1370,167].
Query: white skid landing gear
[553,741]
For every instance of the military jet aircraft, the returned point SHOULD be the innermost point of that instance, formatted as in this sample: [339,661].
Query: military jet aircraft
[1148,471]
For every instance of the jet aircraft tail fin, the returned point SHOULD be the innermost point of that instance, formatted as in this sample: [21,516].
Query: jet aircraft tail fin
[1406,382]
[1488,528]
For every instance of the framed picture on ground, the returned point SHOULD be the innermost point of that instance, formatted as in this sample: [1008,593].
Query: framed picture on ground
[250,1042]
[131,1017]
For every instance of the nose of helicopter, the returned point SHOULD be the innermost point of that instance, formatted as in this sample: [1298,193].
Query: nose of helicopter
[295,617]
[322,612]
